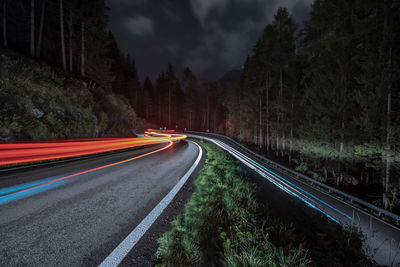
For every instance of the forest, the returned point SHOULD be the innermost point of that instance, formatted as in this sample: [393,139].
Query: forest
[323,98]
[327,96]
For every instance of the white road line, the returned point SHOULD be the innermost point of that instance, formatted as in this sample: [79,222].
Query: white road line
[275,180]
[119,253]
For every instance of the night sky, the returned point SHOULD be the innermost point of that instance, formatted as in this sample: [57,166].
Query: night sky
[210,36]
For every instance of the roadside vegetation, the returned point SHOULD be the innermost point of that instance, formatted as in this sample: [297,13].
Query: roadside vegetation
[40,102]
[322,96]
[224,225]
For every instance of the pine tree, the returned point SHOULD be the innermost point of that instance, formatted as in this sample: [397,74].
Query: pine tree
[32,26]
[40,37]
[191,86]
[170,83]
[64,64]
[160,96]
[148,96]
[5,23]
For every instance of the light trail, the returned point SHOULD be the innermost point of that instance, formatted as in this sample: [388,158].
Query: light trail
[17,153]
[283,184]
[28,189]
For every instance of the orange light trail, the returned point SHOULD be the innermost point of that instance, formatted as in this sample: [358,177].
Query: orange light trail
[27,152]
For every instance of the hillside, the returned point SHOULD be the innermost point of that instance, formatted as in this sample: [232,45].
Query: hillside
[40,102]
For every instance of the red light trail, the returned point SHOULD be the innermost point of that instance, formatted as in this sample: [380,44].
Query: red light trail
[18,153]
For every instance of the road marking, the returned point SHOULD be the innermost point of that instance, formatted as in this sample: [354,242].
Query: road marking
[22,191]
[282,184]
[119,253]
[328,195]
[276,179]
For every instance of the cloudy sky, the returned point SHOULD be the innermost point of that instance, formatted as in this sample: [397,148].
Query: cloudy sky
[210,36]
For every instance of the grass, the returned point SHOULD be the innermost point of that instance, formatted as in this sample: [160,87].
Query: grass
[221,224]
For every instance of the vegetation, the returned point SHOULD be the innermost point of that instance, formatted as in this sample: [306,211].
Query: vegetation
[223,224]
[75,38]
[41,103]
[87,88]
[219,223]
[323,97]
[326,99]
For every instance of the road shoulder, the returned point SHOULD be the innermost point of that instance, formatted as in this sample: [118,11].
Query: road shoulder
[144,253]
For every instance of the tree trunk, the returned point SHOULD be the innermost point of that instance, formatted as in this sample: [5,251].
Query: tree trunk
[388,114]
[70,40]
[39,45]
[208,113]
[342,139]
[277,144]
[280,62]
[280,83]
[260,122]
[240,113]
[387,47]
[291,143]
[215,119]
[190,120]
[83,48]
[137,108]
[4,23]
[32,43]
[291,129]
[64,64]
[240,122]
[268,139]
[204,120]
[267,108]
[169,106]
[159,110]
[255,141]
[334,174]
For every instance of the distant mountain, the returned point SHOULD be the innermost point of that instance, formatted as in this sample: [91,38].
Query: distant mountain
[230,77]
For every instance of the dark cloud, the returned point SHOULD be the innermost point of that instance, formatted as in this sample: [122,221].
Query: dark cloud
[139,25]
[209,36]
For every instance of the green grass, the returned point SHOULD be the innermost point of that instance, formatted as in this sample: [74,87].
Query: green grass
[221,225]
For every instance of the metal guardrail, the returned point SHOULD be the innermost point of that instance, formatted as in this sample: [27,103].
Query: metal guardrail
[351,198]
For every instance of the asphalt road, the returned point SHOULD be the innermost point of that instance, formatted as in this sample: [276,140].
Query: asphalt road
[382,240]
[81,221]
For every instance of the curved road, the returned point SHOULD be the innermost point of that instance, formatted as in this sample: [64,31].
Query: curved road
[81,220]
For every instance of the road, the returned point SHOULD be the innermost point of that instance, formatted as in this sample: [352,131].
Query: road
[83,219]
[382,239]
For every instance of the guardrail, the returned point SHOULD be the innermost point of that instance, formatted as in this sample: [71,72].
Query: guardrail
[352,199]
